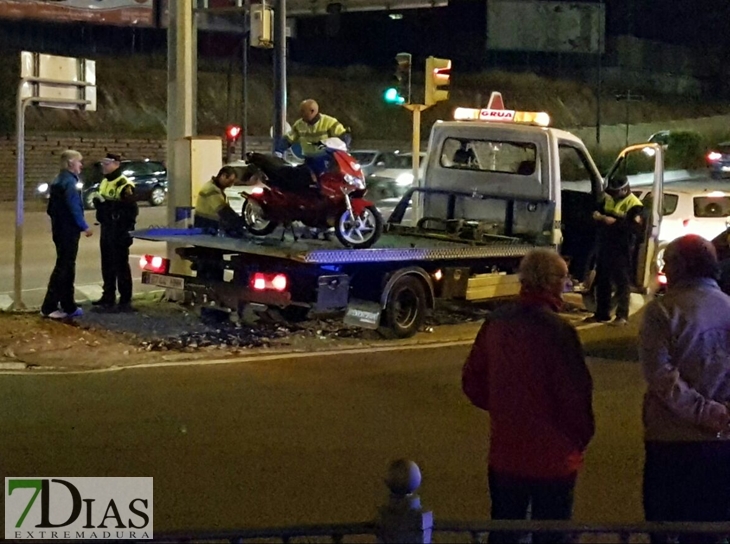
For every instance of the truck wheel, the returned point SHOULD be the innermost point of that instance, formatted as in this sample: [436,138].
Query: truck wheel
[255,219]
[405,309]
[359,232]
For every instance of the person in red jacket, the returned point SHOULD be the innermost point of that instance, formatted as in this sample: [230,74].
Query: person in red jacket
[527,369]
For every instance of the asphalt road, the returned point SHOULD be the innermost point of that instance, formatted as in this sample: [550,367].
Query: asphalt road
[39,254]
[301,440]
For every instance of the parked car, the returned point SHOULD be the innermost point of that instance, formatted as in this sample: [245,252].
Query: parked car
[701,208]
[718,160]
[149,177]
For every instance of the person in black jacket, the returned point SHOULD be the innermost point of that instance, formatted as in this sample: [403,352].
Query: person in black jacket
[116,212]
[67,224]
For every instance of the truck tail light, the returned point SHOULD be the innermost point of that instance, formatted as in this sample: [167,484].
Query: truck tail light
[713,156]
[273,282]
[154,263]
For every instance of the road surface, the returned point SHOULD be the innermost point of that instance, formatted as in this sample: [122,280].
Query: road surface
[298,440]
[39,254]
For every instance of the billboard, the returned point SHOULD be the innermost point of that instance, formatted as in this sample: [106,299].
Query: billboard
[103,12]
[554,27]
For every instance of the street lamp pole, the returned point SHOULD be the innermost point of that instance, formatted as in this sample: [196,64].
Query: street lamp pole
[279,69]
[599,61]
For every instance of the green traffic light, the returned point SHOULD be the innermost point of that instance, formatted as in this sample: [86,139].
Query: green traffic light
[391,96]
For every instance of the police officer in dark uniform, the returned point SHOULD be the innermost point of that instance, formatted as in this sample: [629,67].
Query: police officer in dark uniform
[116,212]
[620,220]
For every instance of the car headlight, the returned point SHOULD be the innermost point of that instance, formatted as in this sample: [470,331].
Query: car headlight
[42,188]
[404,179]
[79,185]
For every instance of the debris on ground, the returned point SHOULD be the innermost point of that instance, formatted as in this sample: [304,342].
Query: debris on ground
[161,330]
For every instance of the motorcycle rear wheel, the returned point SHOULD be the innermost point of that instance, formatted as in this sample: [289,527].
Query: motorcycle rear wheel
[359,232]
[255,219]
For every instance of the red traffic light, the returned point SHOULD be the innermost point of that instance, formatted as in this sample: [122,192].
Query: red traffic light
[233,132]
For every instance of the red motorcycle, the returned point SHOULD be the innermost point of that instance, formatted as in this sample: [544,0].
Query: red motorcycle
[333,198]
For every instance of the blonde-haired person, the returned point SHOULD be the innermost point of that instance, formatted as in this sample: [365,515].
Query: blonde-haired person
[528,371]
[67,224]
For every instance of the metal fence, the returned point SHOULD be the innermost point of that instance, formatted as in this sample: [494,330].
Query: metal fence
[403,520]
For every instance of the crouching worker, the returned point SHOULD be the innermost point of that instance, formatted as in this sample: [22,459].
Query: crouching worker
[214,215]
[212,211]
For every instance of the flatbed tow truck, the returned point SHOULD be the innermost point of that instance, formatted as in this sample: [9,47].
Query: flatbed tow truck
[493,189]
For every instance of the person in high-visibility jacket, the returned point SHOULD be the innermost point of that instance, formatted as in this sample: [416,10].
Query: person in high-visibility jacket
[212,211]
[116,212]
[215,216]
[620,221]
[312,128]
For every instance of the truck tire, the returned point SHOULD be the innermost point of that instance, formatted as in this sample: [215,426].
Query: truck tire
[405,309]
[256,223]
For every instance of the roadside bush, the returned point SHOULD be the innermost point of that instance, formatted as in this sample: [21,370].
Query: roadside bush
[685,150]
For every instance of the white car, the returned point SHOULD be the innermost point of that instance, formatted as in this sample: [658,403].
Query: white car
[400,169]
[697,207]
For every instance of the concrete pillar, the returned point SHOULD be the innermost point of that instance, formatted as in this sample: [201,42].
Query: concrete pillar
[402,520]
[181,100]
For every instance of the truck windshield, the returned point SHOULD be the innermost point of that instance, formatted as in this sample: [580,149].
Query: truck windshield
[517,158]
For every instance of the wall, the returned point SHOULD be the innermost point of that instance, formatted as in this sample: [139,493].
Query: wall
[42,154]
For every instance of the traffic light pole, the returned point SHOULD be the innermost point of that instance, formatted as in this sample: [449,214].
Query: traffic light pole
[416,110]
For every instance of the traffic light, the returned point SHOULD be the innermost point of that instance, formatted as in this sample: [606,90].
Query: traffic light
[403,75]
[391,96]
[438,77]
[233,132]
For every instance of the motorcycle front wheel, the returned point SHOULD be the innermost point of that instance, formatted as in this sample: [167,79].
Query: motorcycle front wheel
[361,231]
[255,219]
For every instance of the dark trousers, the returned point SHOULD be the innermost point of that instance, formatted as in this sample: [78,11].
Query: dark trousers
[546,499]
[613,271]
[61,285]
[687,481]
[115,270]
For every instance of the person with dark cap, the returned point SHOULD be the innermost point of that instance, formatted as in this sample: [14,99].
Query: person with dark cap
[620,219]
[116,212]
[684,345]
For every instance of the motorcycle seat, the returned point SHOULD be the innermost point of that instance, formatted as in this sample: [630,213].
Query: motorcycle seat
[283,175]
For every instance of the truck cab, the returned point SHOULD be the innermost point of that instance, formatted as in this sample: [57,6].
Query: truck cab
[510,174]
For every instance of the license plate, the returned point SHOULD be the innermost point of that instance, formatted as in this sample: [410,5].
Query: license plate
[170,282]
[363,314]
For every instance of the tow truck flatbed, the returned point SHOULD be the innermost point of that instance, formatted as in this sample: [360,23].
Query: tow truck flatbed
[390,247]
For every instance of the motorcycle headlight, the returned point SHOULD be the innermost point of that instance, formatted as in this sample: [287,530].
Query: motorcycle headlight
[404,179]
[42,188]
[355,181]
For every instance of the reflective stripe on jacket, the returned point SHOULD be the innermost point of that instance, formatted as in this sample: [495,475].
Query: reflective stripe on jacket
[113,189]
[211,199]
[620,208]
[307,134]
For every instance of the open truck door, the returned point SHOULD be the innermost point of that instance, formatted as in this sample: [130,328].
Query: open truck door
[643,164]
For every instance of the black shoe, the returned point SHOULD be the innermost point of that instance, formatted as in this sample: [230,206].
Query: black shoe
[126,307]
[596,319]
[106,302]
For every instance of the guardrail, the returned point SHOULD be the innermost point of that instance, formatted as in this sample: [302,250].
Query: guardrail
[402,520]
